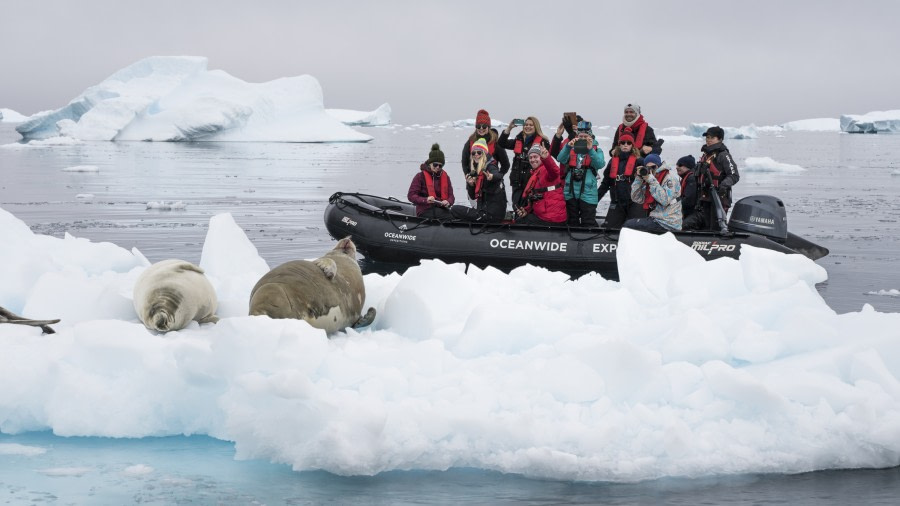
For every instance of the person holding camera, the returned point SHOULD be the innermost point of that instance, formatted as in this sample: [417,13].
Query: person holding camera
[431,190]
[490,193]
[569,121]
[530,135]
[643,136]
[716,172]
[617,179]
[542,199]
[582,163]
[657,190]
[490,135]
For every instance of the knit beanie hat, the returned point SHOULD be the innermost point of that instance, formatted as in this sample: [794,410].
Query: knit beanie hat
[652,158]
[626,136]
[687,161]
[482,118]
[535,148]
[480,144]
[436,155]
[634,107]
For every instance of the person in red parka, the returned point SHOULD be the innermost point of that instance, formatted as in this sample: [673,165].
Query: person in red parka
[542,199]
[431,190]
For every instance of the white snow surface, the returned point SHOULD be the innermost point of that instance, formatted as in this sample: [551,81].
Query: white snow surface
[175,98]
[766,164]
[814,125]
[11,116]
[82,168]
[529,372]
[872,123]
[378,117]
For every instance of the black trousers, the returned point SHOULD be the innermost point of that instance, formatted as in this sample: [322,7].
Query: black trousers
[441,213]
[580,213]
[618,213]
[703,218]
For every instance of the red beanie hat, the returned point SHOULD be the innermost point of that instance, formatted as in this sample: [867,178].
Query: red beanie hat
[483,118]
[626,136]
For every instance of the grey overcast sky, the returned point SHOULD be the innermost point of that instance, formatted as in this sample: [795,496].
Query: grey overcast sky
[733,63]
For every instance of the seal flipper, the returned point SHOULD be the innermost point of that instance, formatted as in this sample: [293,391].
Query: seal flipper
[366,319]
[209,319]
[329,268]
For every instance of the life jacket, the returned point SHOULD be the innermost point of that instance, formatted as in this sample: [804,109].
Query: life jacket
[629,167]
[641,130]
[684,182]
[445,185]
[519,144]
[713,171]
[649,201]
[532,181]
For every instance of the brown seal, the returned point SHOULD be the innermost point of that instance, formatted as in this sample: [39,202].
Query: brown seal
[327,292]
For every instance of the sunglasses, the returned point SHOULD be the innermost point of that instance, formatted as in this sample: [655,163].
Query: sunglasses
[437,165]
[482,126]
[625,143]
[477,152]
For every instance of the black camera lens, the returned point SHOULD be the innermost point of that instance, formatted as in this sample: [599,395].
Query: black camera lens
[643,171]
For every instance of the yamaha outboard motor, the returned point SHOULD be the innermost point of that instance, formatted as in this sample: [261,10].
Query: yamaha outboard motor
[761,215]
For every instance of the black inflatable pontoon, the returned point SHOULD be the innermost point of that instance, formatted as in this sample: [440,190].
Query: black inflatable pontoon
[387,232]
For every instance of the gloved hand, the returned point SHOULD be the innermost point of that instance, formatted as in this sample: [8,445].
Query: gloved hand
[567,124]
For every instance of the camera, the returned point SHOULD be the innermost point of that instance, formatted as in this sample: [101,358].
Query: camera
[578,173]
[518,122]
[643,171]
[581,146]
[535,196]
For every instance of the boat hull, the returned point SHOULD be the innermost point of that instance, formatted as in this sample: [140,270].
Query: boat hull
[387,231]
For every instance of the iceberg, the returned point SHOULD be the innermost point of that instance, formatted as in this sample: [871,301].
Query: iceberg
[872,123]
[378,117]
[470,123]
[11,116]
[744,132]
[814,125]
[766,164]
[175,98]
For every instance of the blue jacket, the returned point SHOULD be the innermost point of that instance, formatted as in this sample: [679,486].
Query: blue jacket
[586,192]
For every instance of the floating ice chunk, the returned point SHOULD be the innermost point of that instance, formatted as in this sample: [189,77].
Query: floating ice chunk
[814,125]
[871,123]
[84,196]
[167,206]
[177,99]
[378,117]
[893,292]
[744,132]
[766,164]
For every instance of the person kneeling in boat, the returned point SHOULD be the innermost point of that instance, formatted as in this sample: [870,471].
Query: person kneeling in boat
[582,163]
[542,200]
[658,190]
[489,190]
[431,190]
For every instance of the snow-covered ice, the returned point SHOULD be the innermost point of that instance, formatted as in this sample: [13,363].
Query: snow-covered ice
[871,123]
[177,99]
[378,117]
[814,125]
[893,292]
[165,205]
[766,164]
[528,372]
[11,116]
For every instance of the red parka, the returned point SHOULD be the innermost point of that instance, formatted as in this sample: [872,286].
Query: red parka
[545,179]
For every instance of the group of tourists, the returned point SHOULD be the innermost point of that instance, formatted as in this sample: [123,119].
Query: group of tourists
[557,181]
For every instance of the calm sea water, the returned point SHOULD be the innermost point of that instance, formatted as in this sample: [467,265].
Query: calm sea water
[847,201]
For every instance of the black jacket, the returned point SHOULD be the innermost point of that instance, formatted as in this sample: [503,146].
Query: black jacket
[728,172]
[499,153]
[688,193]
[521,169]
[621,190]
